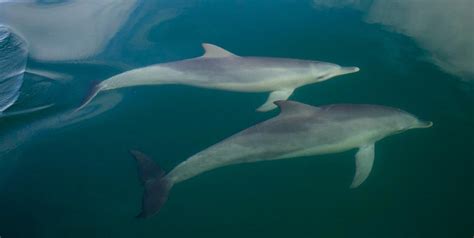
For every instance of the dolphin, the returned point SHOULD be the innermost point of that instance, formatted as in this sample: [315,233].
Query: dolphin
[221,69]
[299,130]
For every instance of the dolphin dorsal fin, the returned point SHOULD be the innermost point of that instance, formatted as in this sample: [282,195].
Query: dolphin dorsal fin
[214,51]
[288,107]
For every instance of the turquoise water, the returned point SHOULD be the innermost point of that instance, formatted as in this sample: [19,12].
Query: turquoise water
[70,175]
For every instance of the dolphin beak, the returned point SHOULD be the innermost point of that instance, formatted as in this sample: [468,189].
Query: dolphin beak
[348,70]
[425,124]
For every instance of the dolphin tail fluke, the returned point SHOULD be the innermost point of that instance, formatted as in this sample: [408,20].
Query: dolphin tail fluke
[93,91]
[157,186]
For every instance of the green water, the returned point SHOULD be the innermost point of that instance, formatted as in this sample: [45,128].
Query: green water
[65,179]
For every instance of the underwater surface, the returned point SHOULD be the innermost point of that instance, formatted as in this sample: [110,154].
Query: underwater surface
[69,173]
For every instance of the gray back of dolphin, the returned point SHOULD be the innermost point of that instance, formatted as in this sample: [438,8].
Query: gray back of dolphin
[328,124]
[217,70]
[299,130]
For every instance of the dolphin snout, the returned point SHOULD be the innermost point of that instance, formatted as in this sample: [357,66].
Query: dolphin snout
[348,70]
[425,124]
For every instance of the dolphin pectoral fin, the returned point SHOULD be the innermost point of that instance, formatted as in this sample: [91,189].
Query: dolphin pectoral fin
[275,96]
[364,162]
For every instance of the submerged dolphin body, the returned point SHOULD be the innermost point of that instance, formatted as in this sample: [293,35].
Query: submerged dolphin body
[299,130]
[221,69]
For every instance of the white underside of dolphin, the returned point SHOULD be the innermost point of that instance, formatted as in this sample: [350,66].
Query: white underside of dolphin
[299,130]
[223,70]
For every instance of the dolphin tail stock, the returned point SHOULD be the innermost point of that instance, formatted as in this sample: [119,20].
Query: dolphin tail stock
[94,89]
[157,186]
